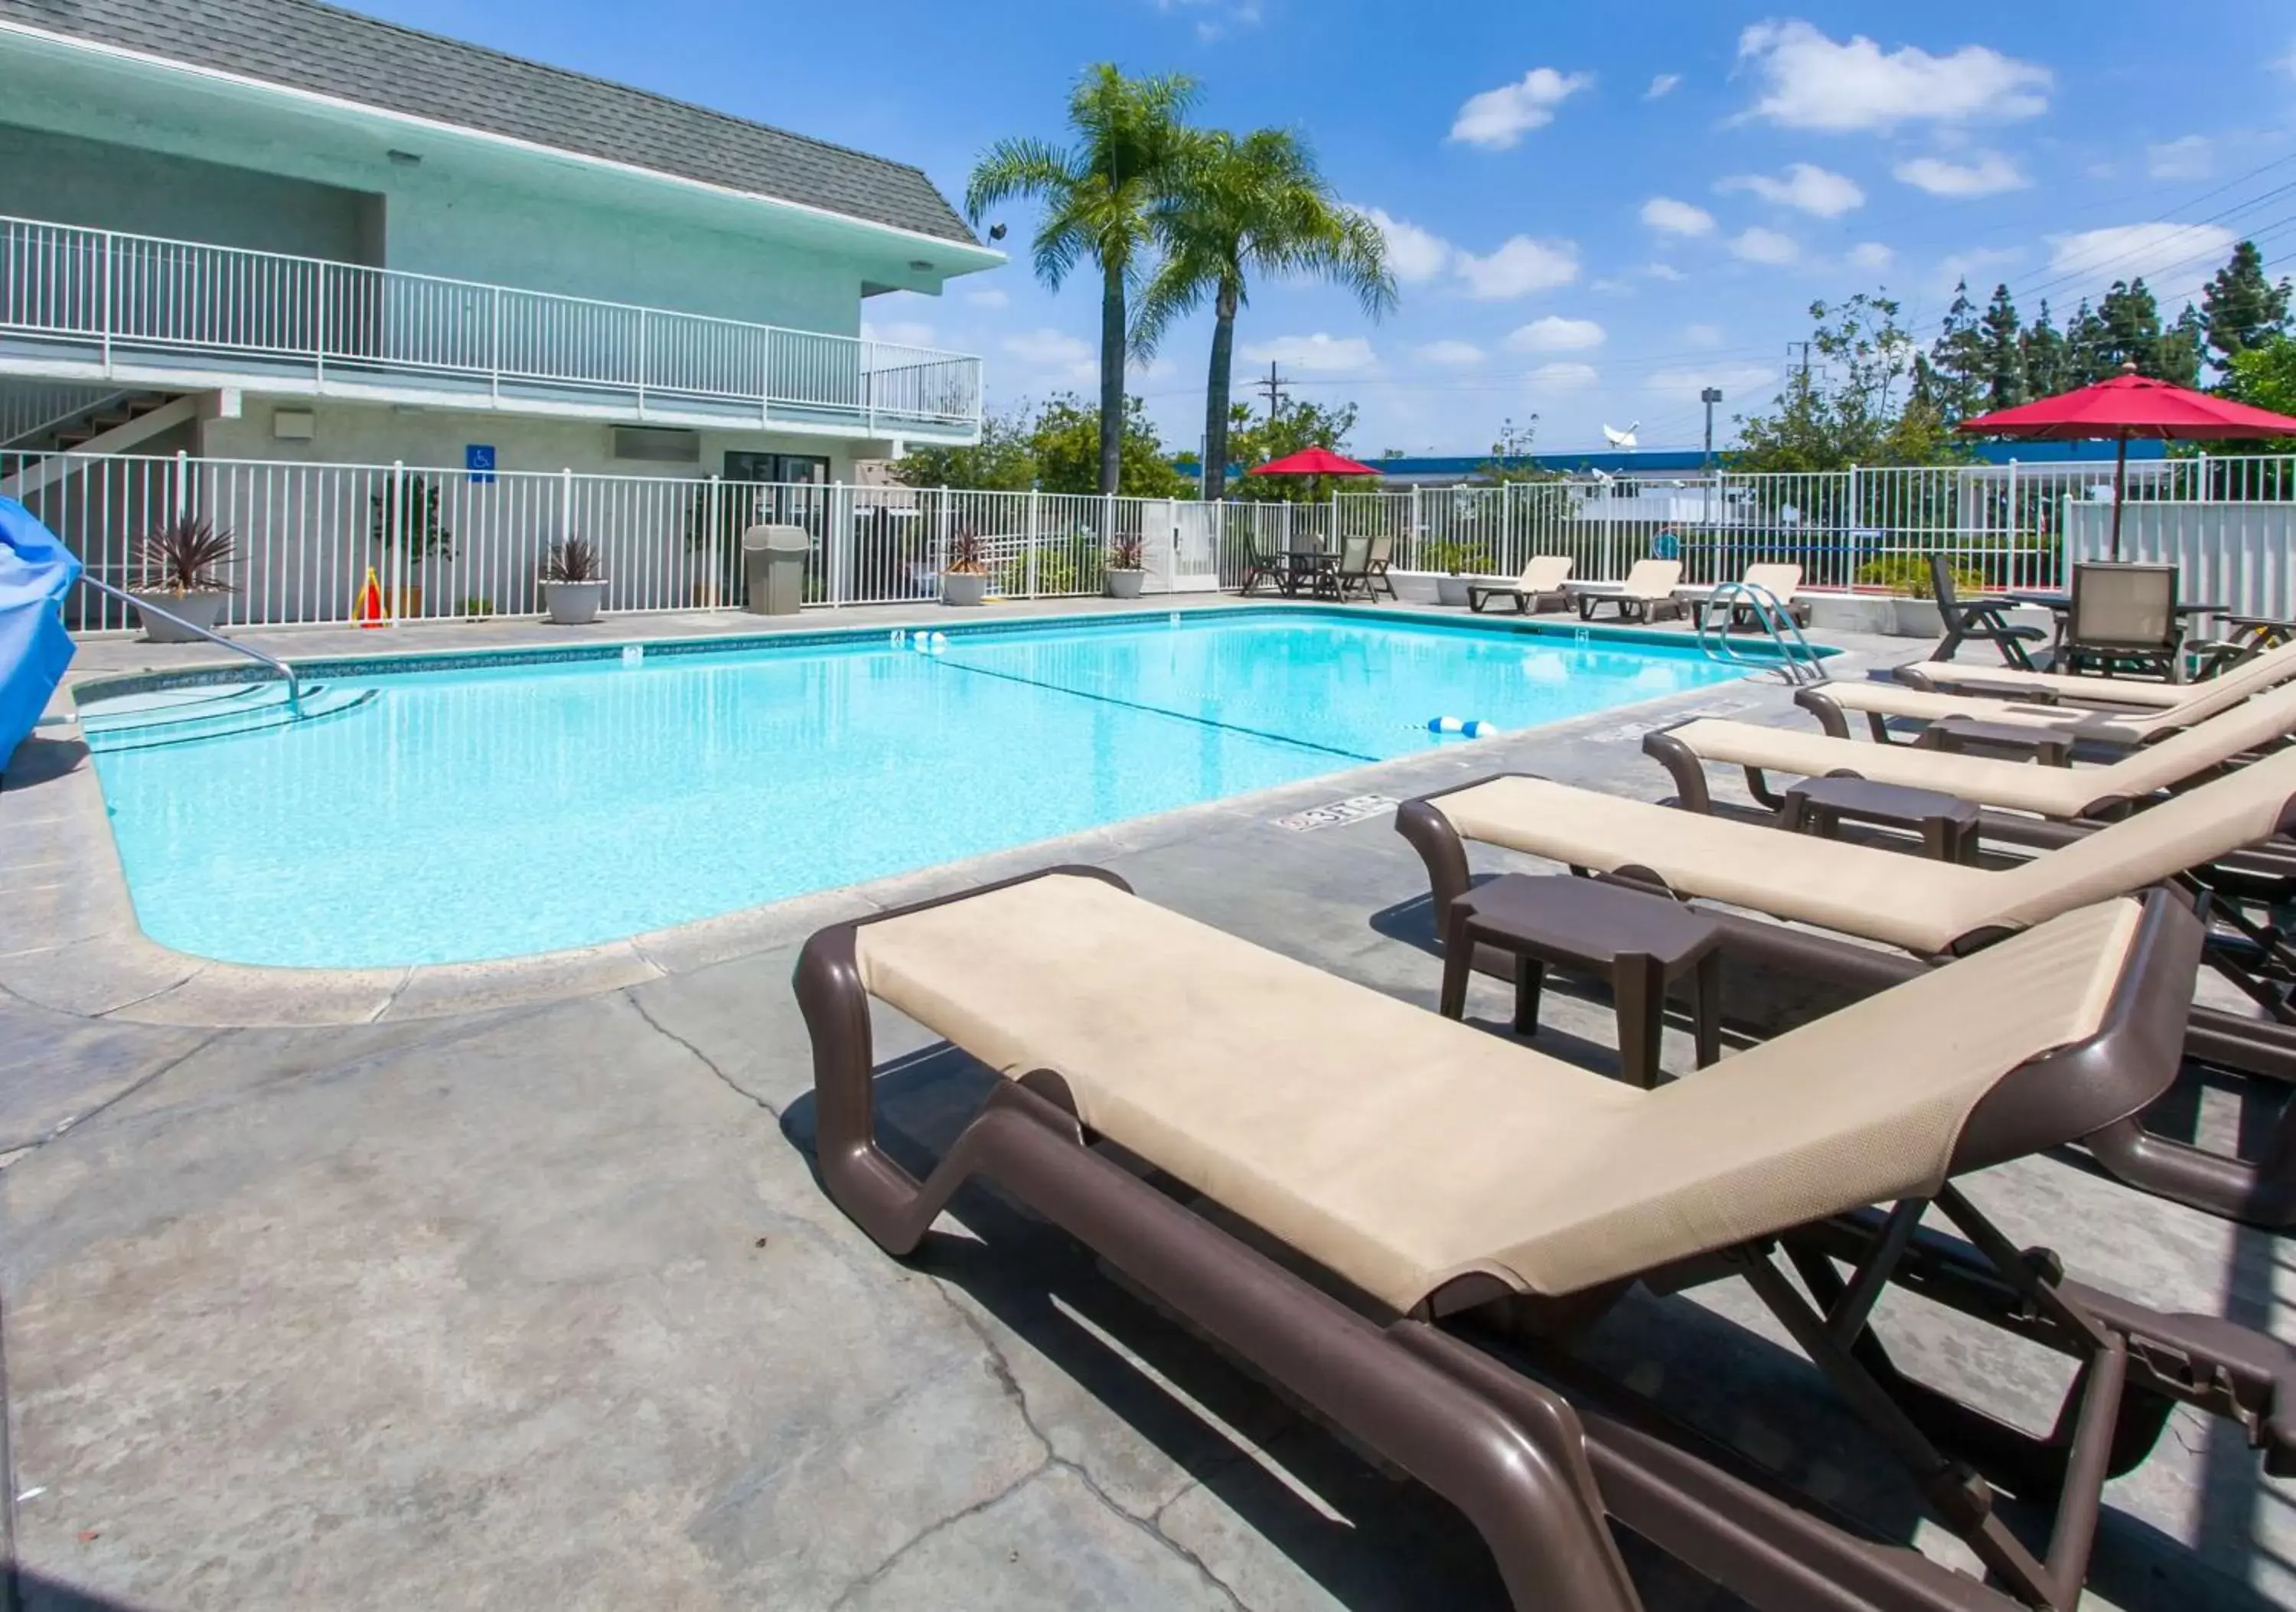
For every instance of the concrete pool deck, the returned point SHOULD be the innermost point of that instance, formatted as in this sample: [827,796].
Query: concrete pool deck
[534,1301]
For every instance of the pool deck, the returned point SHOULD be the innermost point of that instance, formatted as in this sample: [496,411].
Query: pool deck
[516,1290]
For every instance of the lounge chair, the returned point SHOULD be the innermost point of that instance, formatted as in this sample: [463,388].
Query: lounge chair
[2134,724]
[1542,580]
[1782,582]
[2123,620]
[1981,621]
[1646,594]
[1427,1169]
[2065,793]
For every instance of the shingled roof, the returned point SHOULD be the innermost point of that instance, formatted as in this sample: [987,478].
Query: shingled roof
[318,49]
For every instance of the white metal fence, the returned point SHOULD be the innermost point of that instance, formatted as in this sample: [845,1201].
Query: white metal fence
[446,543]
[128,307]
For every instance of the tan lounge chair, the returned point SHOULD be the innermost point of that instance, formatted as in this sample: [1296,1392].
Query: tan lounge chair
[2050,792]
[1646,594]
[1781,581]
[1542,580]
[1427,1169]
[2003,682]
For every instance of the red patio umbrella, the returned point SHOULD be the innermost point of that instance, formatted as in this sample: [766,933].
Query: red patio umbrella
[2130,405]
[1312,461]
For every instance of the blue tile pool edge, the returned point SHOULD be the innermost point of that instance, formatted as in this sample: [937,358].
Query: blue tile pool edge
[412,662]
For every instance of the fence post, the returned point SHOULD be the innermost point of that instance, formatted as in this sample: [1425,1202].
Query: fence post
[713,508]
[395,528]
[111,268]
[1108,534]
[1418,547]
[1856,522]
[2203,496]
[493,348]
[1035,530]
[940,538]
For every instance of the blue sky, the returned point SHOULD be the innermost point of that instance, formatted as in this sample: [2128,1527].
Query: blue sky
[1594,209]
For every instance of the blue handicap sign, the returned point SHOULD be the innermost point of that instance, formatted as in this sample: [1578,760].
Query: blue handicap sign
[479,459]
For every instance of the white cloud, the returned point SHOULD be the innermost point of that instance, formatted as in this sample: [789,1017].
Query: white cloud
[1498,118]
[1553,334]
[1703,336]
[1214,18]
[1320,352]
[1563,377]
[1664,85]
[1413,254]
[2193,157]
[988,296]
[1805,185]
[1665,271]
[1670,217]
[1810,82]
[1756,245]
[1055,350]
[1452,355]
[2174,258]
[1519,267]
[1871,256]
[1975,265]
[1989,176]
[1739,383]
[900,333]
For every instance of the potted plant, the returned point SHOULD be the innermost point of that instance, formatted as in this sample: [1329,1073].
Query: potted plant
[964,579]
[1122,575]
[1457,560]
[408,526]
[573,583]
[182,564]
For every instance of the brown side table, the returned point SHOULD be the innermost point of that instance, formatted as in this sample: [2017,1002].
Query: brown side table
[2048,746]
[1643,941]
[1947,825]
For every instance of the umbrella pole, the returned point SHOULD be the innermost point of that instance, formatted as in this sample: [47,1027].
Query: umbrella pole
[2120,487]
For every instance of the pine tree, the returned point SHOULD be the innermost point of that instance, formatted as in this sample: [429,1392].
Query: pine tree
[2132,326]
[2043,349]
[1958,359]
[2085,349]
[2183,345]
[2240,307]
[2004,364]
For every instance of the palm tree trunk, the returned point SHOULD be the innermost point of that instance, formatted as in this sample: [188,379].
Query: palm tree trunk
[1216,388]
[1111,378]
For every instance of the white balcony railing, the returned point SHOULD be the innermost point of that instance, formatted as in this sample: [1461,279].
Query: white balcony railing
[102,305]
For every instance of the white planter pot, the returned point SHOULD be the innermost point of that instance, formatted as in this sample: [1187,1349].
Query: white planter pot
[572,603]
[201,609]
[1124,584]
[1451,591]
[963,587]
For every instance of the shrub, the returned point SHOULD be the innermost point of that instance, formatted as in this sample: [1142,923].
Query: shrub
[575,560]
[1909,574]
[1458,556]
[186,555]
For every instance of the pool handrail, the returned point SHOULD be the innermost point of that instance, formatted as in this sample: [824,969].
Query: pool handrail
[1797,662]
[286,672]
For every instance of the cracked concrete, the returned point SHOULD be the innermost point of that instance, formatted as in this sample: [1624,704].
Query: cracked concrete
[536,1304]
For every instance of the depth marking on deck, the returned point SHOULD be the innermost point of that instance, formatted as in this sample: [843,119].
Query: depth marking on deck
[1634,730]
[1355,809]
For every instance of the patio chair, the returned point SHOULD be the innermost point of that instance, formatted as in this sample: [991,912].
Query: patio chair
[1646,594]
[1351,574]
[1978,620]
[1382,555]
[2066,793]
[2123,622]
[1264,565]
[1542,580]
[1782,582]
[2041,707]
[1423,1169]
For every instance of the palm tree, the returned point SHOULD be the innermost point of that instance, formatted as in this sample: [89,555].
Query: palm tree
[1100,197]
[1244,208]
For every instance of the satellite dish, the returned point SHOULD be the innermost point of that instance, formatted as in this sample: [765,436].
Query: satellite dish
[1621,439]
[1603,476]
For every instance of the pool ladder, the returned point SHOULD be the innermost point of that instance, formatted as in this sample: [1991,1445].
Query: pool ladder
[1796,661]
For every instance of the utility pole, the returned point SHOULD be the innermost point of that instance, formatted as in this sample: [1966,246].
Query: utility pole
[1275,390]
[1709,396]
[1804,348]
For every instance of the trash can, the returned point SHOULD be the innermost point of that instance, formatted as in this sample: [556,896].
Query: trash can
[773,567]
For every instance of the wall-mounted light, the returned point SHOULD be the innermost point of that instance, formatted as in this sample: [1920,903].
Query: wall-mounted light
[404,159]
[920,265]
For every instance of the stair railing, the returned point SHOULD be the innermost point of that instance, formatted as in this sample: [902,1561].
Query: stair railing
[285,671]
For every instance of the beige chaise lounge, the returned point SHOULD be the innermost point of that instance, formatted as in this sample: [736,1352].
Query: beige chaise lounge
[1541,580]
[1781,581]
[2004,682]
[1880,701]
[2049,792]
[1646,594]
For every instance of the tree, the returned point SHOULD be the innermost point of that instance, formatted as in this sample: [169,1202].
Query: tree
[2131,321]
[1954,381]
[2240,307]
[2183,348]
[1003,461]
[1245,209]
[1294,427]
[1100,198]
[2005,358]
[1511,457]
[2085,343]
[1058,450]
[2046,363]
[2264,374]
[1844,410]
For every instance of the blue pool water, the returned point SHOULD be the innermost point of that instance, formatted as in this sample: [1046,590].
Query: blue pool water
[474,814]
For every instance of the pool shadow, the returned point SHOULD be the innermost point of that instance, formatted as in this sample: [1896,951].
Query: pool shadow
[42,760]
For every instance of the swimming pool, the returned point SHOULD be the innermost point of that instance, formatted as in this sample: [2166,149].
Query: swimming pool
[497,809]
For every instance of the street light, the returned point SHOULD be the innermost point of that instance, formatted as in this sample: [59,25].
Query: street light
[1710,396]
